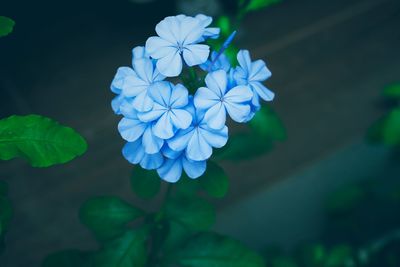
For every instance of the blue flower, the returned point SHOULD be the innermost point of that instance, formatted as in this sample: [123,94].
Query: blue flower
[253,74]
[174,162]
[216,99]
[168,112]
[211,32]
[135,154]
[133,129]
[199,139]
[222,63]
[178,36]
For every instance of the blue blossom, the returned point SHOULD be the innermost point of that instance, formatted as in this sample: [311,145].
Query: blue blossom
[168,112]
[199,139]
[174,162]
[135,154]
[133,129]
[222,63]
[178,36]
[217,99]
[211,32]
[253,74]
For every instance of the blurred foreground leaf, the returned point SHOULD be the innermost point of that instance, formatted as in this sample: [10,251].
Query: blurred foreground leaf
[392,91]
[6,26]
[145,183]
[215,182]
[127,250]
[268,125]
[209,249]
[107,216]
[259,4]
[194,213]
[41,141]
[68,258]
[387,129]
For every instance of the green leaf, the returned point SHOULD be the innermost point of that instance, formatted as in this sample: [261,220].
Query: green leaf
[6,26]
[41,141]
[177,235]
[340,256]
[194,213]
[259,4]
[145,183]
[284,262]
[224,23]
[387,129]
[214,181]
[312,255]
[129,250]
[392,91]
[268,125]
[107,216]
[209,249]
[68,258]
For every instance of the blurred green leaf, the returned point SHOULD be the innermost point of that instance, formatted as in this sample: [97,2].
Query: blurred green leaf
[392,91]
[177,235]
[346,199]
[268,125]
[387,129]
[194,213]
[42,141]
[187,186]
[224,23]
[284,262]
[107,216]
[214,181]
[68,258]
[312,255]
[209,249]
[3,188]
[145,183]
[6,26]
[128,250]
[340,256]
[259,4]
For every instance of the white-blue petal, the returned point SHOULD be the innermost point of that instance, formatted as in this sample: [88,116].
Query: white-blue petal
[116,103]
[215,138]
[239,94]
[143,102]
[259,71]
[131,130]
[238,112]
[181,139]
[119,78]
[158,47]
[151,161]
[194,169]
[170,153]
[164,128]
[262,91]
[156,112]
[205,98]
[170,65]
[133,151]
[196,54]
[171,170]
[217,81]
[161,92]
[133,85]
[215,117]
[179,97]
[198,148]
[180,118]
[169,29]
[244,60]
[151,143]
[144,69]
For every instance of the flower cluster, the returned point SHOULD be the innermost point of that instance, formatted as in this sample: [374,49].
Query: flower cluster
[167,128]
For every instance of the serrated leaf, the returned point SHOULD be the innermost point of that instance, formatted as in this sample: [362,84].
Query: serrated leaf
[392,91]
[194,213]
[127,250]
[6,26]
[259,4]
[145,183]
[268,125]
[40,140]
[69,258]
[209,249]
[107,216]
[214,181]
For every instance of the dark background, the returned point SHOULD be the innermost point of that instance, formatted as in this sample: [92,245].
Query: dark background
[329,59]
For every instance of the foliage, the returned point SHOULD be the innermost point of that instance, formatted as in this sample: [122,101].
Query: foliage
[6,26]
[40,140]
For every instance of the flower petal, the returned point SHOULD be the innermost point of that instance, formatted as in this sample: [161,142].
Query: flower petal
[116,103]
[158,47]
[262,91]
[151,143]
[156,112]
[170,65]
[139,52]
[133,151]
[131,130]
[181,139]
[171,170]
[194,169]
[198,148]
[196,54]
[133,85]
[179,96]
[215,117]
[144,69]
[143,102]
[243,57]
[163,128]
[161,92]
[259,71]
[191,30]
[181,118]
[169,29]
[205,98]
[151,161]
[239,94]
[215,138]
[170,153]
[238,112]
[217,81]
[119,78]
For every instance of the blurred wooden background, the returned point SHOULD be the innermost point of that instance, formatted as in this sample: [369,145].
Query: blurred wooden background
[329,59]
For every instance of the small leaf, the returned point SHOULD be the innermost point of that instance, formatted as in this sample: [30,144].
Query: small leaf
[42,141]
[69,258]
[194,213]
[107,216]
[126,251]
[6,26]
[214,181]
[209,249]
[224,23]
[392,91]
[268,125]
[259,4]
[145,183]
